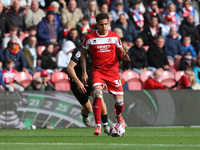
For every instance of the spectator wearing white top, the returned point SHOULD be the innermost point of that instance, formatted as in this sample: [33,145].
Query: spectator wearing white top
[64,55]
[12,34]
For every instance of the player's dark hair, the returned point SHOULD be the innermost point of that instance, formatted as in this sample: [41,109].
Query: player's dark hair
[102,16]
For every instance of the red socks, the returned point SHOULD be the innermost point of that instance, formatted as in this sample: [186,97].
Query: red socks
[97,109]
[119,109]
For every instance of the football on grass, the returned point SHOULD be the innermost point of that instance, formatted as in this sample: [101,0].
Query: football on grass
[117,130]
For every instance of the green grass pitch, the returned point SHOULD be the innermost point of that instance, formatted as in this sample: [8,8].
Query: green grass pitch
[137,138]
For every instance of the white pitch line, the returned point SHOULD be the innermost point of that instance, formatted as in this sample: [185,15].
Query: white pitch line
[111,144]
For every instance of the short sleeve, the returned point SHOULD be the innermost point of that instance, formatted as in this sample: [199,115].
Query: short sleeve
[118,42]
[76,56]
[86,43]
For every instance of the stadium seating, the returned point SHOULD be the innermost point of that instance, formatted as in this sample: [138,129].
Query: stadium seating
[171,62]
[40,49]
[146,47]
[60,81]
[24,78]
[178,75]
[167,78]
[144,76]
[37,74]
[133,80]
[171,65]
[22,36]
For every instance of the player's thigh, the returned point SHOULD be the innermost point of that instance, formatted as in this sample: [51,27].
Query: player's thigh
[114,85]
[82,98]
[98,79]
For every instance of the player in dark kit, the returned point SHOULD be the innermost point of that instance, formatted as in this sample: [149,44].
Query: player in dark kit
[75,72]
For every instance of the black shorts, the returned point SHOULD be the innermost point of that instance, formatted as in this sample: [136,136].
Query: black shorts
[82,98]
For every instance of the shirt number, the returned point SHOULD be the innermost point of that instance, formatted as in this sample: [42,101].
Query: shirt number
[118,83]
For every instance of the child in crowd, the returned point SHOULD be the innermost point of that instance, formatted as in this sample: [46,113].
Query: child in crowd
[9,75]
[188,46]
[48,60]
[67,29]
[1,78]
[194,84]
[186,60]
[184,82]
[154,81]
[12,34]
[196,69]
[85,25]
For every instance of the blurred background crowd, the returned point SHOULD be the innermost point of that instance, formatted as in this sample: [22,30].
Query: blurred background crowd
[159,35]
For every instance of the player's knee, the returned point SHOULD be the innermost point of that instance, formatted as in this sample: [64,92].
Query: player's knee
[119,101]
[98,93]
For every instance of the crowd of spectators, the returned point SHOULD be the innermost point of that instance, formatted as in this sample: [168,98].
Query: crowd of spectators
[152,33]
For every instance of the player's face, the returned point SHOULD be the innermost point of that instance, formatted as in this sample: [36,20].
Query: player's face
[103,26]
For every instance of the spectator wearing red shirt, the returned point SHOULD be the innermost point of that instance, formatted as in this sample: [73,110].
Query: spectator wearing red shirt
[184,82]
[154,82]
[9,77]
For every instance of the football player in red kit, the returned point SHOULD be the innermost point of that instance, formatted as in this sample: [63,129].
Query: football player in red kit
[102,44]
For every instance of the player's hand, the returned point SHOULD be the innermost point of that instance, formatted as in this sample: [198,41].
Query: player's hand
[81,88]
[84,79]
[126,57]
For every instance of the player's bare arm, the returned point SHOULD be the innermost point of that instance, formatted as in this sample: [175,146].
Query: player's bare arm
[123,54]
[72,73]
[83,66]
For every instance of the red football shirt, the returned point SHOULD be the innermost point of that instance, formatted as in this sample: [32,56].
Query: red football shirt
[9,76]
[152,84]
[103,50]
[184,82]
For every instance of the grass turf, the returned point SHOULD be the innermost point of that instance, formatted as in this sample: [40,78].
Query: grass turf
[184,138]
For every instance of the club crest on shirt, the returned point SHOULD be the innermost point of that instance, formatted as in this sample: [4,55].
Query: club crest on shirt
[78,54]
[109,40]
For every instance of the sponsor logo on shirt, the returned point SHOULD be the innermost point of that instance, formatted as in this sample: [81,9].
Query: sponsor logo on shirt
[103,48]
